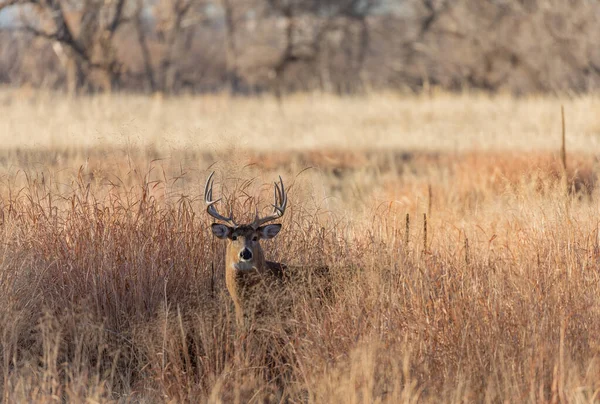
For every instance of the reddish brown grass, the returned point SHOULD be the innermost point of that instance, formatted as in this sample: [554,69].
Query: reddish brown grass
[111,286]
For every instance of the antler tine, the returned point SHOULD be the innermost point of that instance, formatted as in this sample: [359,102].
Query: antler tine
[279,194]
[279,205]
[210,208]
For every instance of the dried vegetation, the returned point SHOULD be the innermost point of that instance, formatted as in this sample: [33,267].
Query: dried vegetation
[112,289]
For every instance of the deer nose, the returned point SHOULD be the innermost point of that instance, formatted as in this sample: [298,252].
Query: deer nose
[246,254]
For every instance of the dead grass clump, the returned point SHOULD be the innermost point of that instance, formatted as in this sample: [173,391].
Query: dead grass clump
[495,173]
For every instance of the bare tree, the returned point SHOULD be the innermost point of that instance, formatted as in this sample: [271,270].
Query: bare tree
[142,30]
[170,17]
[82,35]
[519,45]
[310,25]
[349,18]
[294,45]
[231,22]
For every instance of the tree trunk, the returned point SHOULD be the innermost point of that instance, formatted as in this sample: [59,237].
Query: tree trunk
[233,78]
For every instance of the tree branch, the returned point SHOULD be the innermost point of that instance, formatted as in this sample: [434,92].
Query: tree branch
[117,18]
[54,36]
[7,3]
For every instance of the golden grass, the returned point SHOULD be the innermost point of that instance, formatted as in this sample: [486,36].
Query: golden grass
[112,290]
[304,122]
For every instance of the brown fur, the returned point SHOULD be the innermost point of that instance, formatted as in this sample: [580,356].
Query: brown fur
[244,277]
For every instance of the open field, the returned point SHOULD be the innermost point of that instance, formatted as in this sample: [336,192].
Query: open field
[112,289]
[303,122]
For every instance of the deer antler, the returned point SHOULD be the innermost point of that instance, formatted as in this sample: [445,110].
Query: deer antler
[278,206]
[210,203]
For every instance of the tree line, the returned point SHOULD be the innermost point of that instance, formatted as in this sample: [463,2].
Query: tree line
[282,46]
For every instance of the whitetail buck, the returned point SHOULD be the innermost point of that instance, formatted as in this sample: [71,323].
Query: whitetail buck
[245,263]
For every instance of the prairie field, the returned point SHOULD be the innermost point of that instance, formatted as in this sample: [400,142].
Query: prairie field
[464,257]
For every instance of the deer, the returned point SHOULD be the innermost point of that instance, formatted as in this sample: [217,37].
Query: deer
[245,264]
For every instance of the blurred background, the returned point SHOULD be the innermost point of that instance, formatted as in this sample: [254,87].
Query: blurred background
[283,46]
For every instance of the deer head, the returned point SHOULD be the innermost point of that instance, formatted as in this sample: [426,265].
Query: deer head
[244,252]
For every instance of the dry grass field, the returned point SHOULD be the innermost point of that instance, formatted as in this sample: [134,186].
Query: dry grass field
[112,285]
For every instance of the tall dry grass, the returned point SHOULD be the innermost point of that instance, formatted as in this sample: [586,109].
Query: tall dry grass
[111,285]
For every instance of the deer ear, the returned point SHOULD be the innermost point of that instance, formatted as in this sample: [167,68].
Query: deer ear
[269,231]
[221,230]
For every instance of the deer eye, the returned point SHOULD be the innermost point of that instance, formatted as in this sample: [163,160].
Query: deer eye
[255,238]
[234,238]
